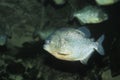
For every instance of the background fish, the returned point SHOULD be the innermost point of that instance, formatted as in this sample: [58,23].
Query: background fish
[59,2]
[73,44]
[43,34]
[106,2]
[90,15]
[4,34]
[3,39]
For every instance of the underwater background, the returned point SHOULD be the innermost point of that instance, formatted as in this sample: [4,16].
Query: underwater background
[24,25]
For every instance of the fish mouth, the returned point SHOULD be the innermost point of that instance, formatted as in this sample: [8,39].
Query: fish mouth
[45,47]
[62,54]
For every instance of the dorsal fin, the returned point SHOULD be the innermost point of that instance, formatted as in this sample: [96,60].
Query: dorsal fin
[85,31]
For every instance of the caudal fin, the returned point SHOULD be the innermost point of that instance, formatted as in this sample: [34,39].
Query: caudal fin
[99,47]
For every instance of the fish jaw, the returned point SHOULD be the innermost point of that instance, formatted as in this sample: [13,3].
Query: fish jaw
[61,56]
[47,48]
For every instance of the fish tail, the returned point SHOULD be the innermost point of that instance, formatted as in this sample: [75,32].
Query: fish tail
[99,47]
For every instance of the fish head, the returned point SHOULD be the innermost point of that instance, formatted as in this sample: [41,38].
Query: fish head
[102,16]
[58,46]
[58,52]
[51,45]
[94,20]
[98,18]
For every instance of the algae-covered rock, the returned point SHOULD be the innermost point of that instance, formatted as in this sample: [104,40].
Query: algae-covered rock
[107,76]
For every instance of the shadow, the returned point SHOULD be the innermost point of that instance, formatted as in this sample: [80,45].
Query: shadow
[115,58]
[66,66]
[30,50]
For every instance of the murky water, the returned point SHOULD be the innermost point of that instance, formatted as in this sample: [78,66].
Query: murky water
[23,57]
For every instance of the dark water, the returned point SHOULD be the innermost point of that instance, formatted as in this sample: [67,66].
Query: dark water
[112,41]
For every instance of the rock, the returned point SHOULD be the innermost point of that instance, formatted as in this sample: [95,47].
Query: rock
[107,76]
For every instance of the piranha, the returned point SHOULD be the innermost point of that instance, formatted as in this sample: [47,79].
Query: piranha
[90,15]
[106,2]
[73,44]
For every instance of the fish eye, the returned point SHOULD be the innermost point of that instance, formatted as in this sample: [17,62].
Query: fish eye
[47,41]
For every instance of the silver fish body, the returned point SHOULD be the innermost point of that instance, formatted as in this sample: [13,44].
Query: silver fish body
[106,2]
[73,44]
[90,15]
